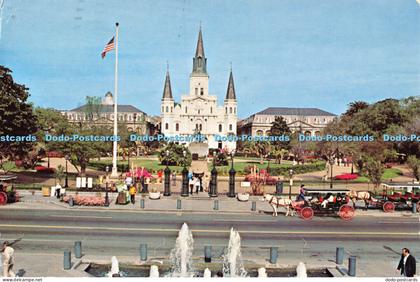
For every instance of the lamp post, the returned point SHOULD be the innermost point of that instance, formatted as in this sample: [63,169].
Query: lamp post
[213,181]
[331,176]
[106,186]
[184,190]
[66,183]
[167,188]
[232,173]
[290,183]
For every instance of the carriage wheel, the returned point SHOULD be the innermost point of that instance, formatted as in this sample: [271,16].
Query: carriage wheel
[307,213]
[388,207]
[3,198]
[346,212]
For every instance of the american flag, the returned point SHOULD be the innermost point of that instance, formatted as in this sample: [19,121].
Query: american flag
[108,47]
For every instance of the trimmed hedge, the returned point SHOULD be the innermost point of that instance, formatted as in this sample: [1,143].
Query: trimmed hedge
[297,169]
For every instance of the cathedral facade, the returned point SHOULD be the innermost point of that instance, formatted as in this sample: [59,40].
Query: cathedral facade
[198,112]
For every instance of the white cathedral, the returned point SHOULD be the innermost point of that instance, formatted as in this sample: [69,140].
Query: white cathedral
[198,112]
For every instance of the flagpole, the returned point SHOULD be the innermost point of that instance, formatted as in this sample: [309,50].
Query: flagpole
[114,173]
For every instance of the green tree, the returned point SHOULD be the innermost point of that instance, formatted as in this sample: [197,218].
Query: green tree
[375,170]
[414,164]
[59,174]
[93,107]
[355,107]
[16,118]
[175,155]
[80,152]
[261,149]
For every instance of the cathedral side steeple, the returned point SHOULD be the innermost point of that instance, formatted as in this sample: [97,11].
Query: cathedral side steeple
[230,93]
[200,61]
[167,90]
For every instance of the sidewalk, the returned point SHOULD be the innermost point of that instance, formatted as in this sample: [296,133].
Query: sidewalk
[196,203]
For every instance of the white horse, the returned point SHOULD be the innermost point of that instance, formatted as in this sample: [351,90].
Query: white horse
[365,196]
[276,202]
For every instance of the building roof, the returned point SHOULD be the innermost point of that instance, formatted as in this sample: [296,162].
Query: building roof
[110,109]
[282,111]
[230,93]
[167,90]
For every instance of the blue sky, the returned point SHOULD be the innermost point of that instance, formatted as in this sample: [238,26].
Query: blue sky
[297,53]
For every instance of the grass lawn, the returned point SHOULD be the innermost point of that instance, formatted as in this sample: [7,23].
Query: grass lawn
[388,174]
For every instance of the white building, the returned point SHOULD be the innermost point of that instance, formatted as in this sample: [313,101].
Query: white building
[198,112]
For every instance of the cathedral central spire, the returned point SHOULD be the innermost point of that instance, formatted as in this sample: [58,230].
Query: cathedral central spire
[200,61]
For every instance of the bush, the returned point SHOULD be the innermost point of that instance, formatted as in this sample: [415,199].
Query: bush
[221,159]
[44,169]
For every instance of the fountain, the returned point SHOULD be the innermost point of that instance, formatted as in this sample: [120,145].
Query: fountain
[301,270]
[232,260]
[154,271]
[207,273]
[115,269]
[262,273]
[181,255]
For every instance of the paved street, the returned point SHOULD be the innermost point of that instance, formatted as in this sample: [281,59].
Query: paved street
[47,233]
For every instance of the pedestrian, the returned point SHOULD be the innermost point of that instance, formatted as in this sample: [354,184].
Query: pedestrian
[173,178]
[128,181]
[407,264]
[191,184]
[57,190]
[8,260]
[133,192]
[197,184]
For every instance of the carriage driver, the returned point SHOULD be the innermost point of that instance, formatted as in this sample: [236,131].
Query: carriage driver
[301,196]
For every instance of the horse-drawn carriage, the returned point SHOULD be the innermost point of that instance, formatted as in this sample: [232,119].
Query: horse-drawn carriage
[7,191]
[315,202]
[400,196]
[324,202]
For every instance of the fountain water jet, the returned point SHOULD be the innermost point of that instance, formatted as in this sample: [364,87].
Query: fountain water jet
[207,273]
[232,260]
[262,273]
[181,255]
[115,269]
[154,271]
[301,270]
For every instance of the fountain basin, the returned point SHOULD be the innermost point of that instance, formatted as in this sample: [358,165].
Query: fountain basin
[126,270]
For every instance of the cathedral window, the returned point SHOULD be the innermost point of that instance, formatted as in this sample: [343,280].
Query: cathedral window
[198,111]
[196,91]
[211,110]
[226,110]
[201,91]
[234,110]
[162,109]
[167,109]
[230,110]
[166,126]
[177,127]
[220,128]
[230,127]
[186,110]
[172,109]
